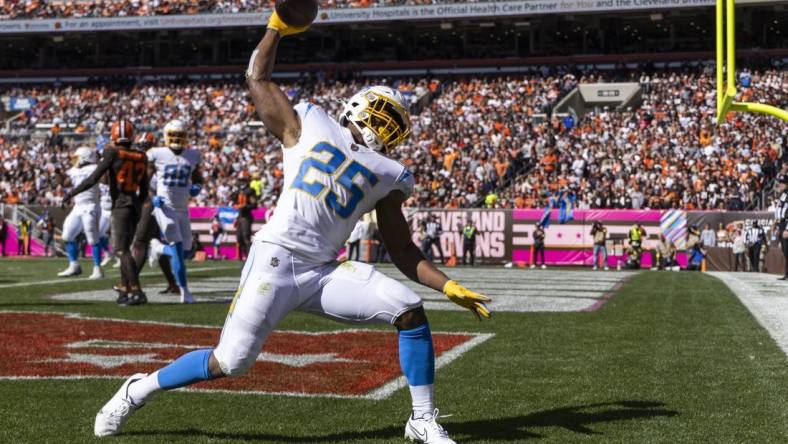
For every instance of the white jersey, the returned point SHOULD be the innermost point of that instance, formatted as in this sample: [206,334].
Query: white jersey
[77,176]
[174,172]
[106,199]
[330,182]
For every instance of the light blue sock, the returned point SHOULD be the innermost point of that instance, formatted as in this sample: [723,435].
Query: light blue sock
[186,370]
[175,251]
[416,355]
[71,251]
[96,254]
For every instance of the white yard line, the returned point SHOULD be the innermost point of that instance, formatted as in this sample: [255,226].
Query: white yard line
[147,273]
[765,297]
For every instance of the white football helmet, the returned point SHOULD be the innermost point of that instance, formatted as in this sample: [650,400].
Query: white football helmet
[85,155]
[175,135]
[380,114]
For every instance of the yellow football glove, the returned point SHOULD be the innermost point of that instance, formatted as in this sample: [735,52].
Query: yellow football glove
[466,298]
[276,23]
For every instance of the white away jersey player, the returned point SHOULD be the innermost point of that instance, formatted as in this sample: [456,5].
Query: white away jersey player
[175,173]
[77,176]
[86,212]
[330,182]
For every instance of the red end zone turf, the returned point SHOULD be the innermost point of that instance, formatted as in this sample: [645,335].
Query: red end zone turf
[345,363]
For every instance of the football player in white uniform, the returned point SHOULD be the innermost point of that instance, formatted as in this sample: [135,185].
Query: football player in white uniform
[335,171]
[84,216]
[178,177]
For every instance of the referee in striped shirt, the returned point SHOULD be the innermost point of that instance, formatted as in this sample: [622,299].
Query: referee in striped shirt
[755,238]
[781,219]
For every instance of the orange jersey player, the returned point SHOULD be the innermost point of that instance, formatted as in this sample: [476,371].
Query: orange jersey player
[127,172]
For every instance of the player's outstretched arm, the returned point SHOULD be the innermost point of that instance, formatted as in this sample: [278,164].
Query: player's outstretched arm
[411,261]
[272,105]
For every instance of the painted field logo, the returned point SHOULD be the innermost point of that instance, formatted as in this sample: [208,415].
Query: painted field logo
[346,363]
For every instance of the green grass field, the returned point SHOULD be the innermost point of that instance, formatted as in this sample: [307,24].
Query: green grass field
[671,357]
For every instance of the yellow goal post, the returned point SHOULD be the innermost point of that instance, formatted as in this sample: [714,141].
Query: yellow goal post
[726,68]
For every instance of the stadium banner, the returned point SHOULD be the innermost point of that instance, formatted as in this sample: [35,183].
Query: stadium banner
[21,103]
[505,235]
[571,243]
[349,15]
[493,241]
[14,246]
[725,223]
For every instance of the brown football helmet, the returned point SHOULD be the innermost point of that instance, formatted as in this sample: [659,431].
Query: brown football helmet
[146,141]
[122,132]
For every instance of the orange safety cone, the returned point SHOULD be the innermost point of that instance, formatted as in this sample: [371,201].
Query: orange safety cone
[452,261]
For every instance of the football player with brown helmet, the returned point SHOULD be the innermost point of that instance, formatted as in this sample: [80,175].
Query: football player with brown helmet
[127,172]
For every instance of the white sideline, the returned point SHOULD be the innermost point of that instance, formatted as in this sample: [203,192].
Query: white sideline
[147,273]
[765,297]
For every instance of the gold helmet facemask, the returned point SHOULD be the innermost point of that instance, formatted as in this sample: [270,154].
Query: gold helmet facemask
[175,135]
[380,115]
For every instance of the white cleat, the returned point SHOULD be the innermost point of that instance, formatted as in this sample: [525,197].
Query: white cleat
[544,267]
[186,297]
[117,263]
[607,268]
[107,259]
[533,266]
[73,269]
[98,273]
[427,430]
[595,268]
[156,248]
[111,417]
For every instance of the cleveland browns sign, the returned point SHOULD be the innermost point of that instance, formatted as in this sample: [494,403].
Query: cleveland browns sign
[347,363]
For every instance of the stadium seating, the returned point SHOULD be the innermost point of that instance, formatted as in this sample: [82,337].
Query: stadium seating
[667,153]
[472,136]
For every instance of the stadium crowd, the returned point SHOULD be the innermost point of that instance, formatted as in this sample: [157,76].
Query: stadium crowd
[667,153]
[473,138]
[30,9]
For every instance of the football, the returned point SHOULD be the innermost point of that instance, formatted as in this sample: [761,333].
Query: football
[297,12]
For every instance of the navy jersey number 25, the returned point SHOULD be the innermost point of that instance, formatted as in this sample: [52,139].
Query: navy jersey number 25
[343,176]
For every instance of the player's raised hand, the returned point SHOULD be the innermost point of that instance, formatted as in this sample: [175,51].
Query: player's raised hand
[292,16]
[276,23]
[466,298]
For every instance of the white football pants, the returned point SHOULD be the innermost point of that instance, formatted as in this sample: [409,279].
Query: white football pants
[83,217]
[175,226]
[104,222]
[274,282]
